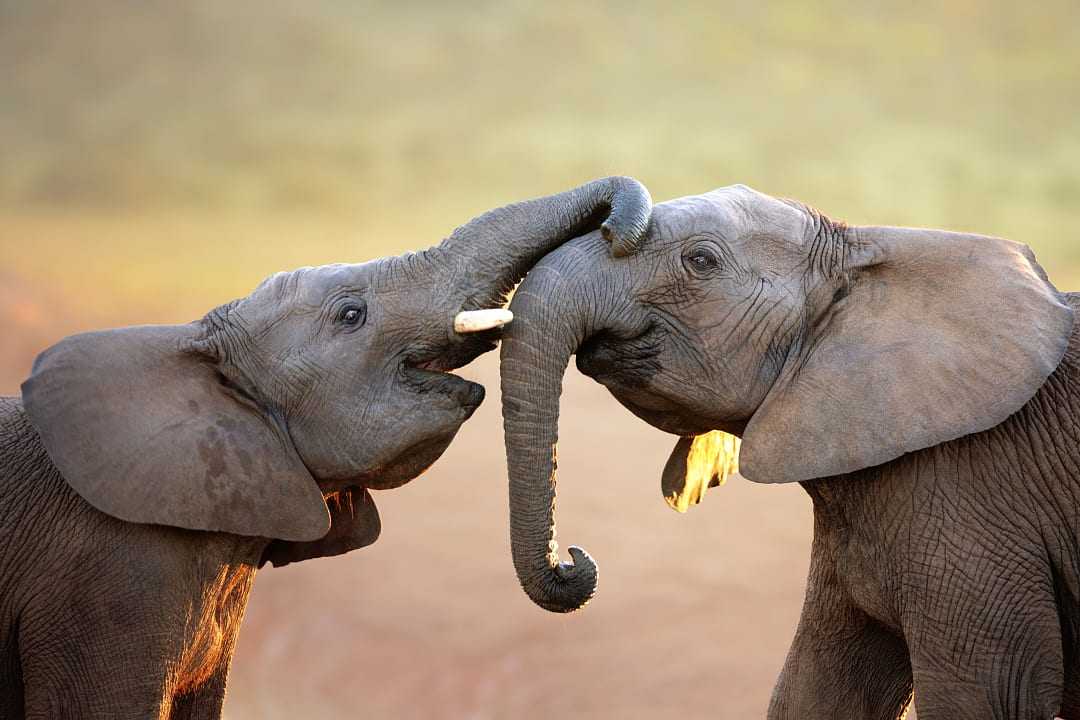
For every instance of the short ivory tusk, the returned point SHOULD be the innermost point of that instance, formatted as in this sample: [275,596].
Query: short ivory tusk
[470,321]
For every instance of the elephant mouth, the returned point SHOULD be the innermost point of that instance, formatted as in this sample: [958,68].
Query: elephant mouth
[444,401]
[430,376]
[628,367]
[616,361]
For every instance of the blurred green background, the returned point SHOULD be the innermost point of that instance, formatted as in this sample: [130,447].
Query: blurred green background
[158,158]
[392,122]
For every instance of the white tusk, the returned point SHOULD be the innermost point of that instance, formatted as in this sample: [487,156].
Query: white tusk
[470,321]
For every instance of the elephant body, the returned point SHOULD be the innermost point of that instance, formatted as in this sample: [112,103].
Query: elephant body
[104,618]
[147,472]
[956,566]
[922,385]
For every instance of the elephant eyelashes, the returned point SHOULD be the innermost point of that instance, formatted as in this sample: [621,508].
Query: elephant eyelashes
[702,260]
[352,315]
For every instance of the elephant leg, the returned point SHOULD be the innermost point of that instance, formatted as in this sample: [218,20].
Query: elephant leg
[77,667]
[89,690]
[1000,657]
[83,694]
[11,680]
[204,702]
[1070,703]
[842,663]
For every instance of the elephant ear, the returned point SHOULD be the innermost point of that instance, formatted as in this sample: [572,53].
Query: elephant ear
[938,335]
[354,523]
[142,425]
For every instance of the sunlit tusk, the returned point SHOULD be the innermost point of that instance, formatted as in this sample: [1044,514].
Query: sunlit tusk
[470,321]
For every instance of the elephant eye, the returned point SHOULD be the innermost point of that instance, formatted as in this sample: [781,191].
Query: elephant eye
[702,259]
[352,315]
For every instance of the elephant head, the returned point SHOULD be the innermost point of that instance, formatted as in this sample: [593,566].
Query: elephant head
[826,348]
[274,414]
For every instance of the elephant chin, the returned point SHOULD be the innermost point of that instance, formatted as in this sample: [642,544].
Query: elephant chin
[668,419]
[408,465]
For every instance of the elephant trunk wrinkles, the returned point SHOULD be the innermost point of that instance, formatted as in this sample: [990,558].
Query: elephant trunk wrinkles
[535,352]
[492,253]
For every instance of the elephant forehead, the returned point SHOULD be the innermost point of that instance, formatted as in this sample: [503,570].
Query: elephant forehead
[732,212]
[685,215]
[318,283]
[311,285]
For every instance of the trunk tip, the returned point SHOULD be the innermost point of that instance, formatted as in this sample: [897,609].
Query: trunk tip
[568,586]
[628,222]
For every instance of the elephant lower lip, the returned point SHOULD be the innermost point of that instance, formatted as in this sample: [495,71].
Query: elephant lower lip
[476,394]
[596,364]
[464,392]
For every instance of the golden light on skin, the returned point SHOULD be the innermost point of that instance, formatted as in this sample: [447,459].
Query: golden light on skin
[212,623]
[711,459]
[553,544]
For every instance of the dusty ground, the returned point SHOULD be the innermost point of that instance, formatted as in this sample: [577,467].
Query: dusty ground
[692,619]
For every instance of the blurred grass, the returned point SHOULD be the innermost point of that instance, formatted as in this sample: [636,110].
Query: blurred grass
[962,114]
[160,157]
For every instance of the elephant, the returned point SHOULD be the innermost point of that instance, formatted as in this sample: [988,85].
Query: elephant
[922,386]
[147,472]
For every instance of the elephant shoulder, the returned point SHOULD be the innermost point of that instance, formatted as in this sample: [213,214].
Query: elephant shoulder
[1058,400]
[30,484]
[1072,299]
[21,450]
[1072,353]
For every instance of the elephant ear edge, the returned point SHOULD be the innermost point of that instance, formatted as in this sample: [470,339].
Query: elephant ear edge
[140,423]
[939,335]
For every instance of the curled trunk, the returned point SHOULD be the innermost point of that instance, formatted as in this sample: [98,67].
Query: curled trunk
[550,324]
[491,254]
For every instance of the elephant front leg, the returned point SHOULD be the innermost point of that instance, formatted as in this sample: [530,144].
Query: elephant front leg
[842,663]
[1001,658]
[204,702]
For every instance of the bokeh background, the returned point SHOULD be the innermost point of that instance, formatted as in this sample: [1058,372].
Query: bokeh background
[159,158]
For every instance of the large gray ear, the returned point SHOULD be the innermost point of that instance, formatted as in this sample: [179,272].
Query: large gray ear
[939,335]
[354,523]
[142,426]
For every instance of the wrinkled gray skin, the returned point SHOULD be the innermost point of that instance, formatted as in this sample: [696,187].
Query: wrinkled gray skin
[923,386]
[147,472]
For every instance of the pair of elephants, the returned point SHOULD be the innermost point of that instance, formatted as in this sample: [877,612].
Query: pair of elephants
[922,386]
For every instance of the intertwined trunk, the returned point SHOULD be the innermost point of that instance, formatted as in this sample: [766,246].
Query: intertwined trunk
[490,254]
[552,319]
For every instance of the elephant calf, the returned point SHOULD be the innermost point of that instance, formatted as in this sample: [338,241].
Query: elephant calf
[922,386]
[148,471]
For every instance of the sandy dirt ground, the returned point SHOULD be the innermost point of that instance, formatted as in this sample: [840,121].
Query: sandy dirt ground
[692,618]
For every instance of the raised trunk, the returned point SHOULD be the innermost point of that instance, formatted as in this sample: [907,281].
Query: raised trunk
[491,254]
[550,324]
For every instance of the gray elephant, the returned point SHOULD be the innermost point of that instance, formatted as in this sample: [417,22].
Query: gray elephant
[148,471]
[923,387]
